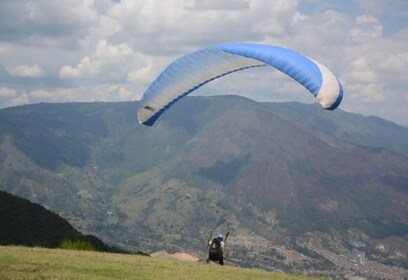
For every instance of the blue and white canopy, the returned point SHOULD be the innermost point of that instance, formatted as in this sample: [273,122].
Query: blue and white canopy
[191,71]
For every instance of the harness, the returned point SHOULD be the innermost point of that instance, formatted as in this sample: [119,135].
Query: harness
[215,249]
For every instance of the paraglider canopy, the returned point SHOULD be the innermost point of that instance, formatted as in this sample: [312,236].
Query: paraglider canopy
[191,71]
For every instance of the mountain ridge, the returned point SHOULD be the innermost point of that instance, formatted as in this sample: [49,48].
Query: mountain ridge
[277,175]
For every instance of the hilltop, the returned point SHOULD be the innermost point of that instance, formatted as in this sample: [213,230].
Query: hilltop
[300,189]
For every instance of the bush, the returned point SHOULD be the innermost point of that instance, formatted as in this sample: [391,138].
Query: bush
[78,244]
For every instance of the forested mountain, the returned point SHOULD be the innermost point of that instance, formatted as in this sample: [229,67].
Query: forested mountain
[29,224]
[298,187]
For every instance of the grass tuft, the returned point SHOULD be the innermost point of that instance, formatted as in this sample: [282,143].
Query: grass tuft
[78,244]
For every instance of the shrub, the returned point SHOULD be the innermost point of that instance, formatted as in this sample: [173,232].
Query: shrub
[78,244]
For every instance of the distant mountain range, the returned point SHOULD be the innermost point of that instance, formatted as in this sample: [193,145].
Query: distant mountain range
[293,183]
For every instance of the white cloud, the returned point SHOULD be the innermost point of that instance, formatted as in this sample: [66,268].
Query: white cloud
[111,50]
[318,35]
[101,92]
[83,70]
[299,17]
[364,76]
[26,71]
[368,26]
[19,100]
[364,19]
[7,93]
[140,76]
[5,48]
[108,62]
[395,63]
[174,27]
[361,72]
[34,21]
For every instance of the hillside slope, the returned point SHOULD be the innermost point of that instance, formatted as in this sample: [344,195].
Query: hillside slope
[26,223]
[30,224]
[39,263]
[293,183]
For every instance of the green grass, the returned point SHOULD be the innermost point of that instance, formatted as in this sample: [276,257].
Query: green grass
[40,263]
[83,245]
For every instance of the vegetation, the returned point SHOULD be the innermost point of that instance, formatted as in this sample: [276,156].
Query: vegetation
[224,172]
[40,263]
[82,245]
[26,223]
[30,224]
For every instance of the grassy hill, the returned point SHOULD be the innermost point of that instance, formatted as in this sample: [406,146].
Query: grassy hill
[40,263]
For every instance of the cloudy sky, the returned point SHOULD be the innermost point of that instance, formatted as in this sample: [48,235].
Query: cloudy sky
[105,50]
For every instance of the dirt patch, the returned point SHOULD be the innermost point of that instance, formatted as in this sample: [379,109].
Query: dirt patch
[179,256]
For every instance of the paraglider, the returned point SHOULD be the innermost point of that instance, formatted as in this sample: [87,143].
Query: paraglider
[216,251]
[191,71]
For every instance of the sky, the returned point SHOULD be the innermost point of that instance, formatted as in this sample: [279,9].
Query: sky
[105,50]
